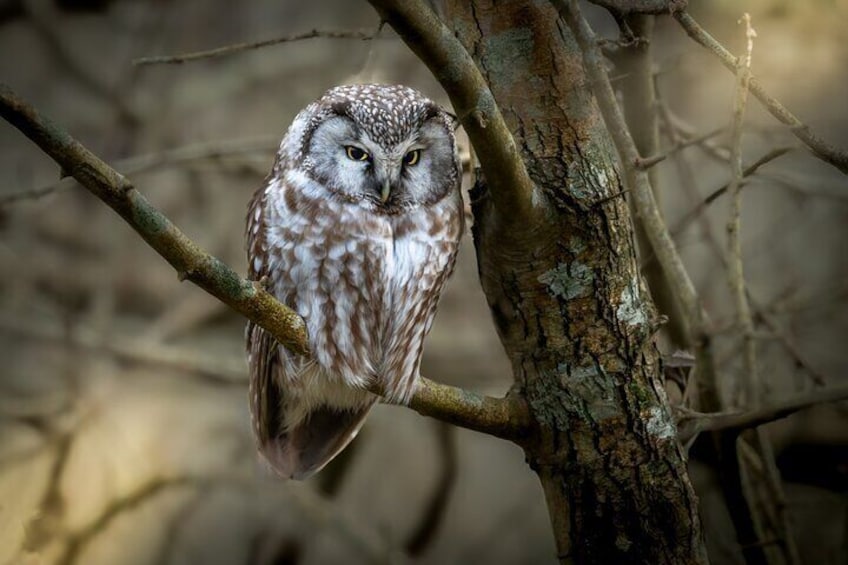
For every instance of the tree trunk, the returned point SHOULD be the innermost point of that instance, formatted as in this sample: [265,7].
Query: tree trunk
[570,306]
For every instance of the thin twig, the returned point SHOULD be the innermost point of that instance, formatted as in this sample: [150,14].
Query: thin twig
[691,423]
[433,515]
[673,127]
[150,161]
[639,104]
[681,144]
[735,274]
[645,163]
[361,35]
[218,369]
[503,417]
[47,23]
[744,320]
[714,195]
[823,150]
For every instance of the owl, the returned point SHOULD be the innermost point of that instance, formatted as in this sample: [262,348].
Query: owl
[356,229]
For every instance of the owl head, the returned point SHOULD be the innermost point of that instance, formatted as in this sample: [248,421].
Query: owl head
[384,147]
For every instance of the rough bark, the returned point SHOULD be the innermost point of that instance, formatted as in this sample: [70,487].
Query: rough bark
[570,305]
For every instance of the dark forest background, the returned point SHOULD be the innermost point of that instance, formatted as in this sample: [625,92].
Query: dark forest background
[124,433]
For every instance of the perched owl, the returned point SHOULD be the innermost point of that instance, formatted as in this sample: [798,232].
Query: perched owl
[356,229]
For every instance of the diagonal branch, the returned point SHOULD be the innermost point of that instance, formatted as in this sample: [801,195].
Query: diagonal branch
[446,57]
[503,417]
[691,423]
[714,195]
[823,150]
[636,179]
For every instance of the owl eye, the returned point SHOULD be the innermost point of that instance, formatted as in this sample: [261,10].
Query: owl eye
[356,153]
[412,157]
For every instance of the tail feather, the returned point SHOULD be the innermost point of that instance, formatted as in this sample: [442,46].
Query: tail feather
[305,449]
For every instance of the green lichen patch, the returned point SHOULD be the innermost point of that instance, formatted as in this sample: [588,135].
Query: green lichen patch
[659,424]
[569,281]
[630,309]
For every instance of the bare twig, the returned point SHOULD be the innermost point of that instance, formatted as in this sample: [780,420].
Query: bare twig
[167,158]
[744,320]
[220,370]
[645,163]
[502,417]
[714,195]
[625,7]
[446,57]
[681,144]
[639,104]
[361,35]
[434,513]
[823,150]
[686,131]
[46,23]
[687,175]
[787,342]
[313,508]
[736,277]
[691,423]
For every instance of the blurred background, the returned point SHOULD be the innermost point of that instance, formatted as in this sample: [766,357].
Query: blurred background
[124,431]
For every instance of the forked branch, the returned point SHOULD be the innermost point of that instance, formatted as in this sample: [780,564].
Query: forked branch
[823,150]
[503,417]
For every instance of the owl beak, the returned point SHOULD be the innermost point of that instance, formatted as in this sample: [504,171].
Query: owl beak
[386,190]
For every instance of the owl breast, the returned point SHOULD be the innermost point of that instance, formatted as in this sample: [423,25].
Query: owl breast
[366,284]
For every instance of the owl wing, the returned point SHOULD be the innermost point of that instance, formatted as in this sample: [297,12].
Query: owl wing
[297,437]
[300,451]
[424,259]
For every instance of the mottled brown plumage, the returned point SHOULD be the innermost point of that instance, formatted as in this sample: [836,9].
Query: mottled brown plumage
[356,229]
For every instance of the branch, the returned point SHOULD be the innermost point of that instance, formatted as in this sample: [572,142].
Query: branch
[736,279]
[312,508]
[502,417]
[691,423]
[362,35]
[635,179]
[425,532]
[823,150]
[216,369]
[714,195]
[507,417]
[165,158]
[628,7]
[735,274]
[446,57]
[48,24]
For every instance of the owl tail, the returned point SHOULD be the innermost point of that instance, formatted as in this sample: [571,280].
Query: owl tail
[303,450]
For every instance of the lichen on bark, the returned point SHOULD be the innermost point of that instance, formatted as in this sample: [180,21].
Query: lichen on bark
[570,307]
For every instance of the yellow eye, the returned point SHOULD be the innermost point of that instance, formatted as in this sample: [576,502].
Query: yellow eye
[356,153]
[412,157]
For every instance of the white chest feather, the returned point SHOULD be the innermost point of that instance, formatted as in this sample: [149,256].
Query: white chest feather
[365,285]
